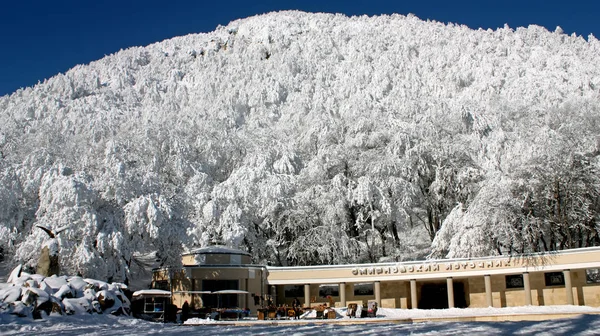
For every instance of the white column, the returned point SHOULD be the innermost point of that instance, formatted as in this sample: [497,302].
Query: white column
[568,287]
[306,295]
[488,290]
[527,289]
[378,293]
[274,295]
[450,287]
[414,302]
[343,294]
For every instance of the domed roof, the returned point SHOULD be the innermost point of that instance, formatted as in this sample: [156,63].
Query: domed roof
[218,249]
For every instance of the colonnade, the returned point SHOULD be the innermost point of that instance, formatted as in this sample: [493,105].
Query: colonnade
[450,290]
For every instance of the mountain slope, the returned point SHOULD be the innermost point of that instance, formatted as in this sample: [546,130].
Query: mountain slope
[309,138]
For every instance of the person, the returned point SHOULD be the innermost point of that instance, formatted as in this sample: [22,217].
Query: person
[256,300]
[296,305]
[185,311]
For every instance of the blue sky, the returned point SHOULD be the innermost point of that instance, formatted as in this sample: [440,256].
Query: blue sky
[40,38]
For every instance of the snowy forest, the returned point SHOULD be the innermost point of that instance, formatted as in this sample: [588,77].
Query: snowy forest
[308,139]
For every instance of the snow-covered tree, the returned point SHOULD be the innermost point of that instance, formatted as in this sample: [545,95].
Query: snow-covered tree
[308,138]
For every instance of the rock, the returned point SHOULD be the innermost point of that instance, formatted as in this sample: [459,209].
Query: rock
[37,277]
[97,285]
[44,286]
[37,296]
[116,307]
[45,307]
[118,285]
[78,285]
[20,309]
[11,294]
[64,292]
[124,300]
[97,307]
[48,262]
[57,307]
[39,314]
[34,297]
[106,299]
[89,294]
[22,279]
[77,306]
[55,282]
[15,274]
[31,283]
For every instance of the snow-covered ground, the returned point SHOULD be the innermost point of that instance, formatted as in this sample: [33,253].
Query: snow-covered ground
[586,324]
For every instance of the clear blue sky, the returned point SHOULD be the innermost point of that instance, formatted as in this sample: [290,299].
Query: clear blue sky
[40,38]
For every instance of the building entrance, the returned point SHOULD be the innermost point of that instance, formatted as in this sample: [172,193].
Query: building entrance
[435,296]
[220,300]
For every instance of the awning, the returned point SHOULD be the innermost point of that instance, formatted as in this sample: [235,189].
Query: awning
[192,292]
[151,293]
[231,291]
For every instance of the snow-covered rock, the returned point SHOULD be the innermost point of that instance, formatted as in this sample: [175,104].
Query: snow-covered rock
[34,297]
[78,306]
[44,286]
[64,292]
[11,294]
[75,296]
[56,282]
[15,274]
[79,285]
[20,309]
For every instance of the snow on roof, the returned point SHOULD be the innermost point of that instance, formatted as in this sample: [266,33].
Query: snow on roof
[231,291]
[217,249]
[152,292]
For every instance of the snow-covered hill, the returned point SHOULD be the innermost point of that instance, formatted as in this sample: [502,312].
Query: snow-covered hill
[309,138]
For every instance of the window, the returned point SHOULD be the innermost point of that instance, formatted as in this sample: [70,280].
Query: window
[162,284]
[329,290]
[514,281]
[200,259]
[235,259]
[363,289]
[294,291]
[154,306]
[554,279]
[592,275]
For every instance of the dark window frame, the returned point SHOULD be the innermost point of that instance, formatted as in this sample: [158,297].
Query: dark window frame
[592,277]
[512,281]
[293,291]
[369,292]
[552,279]
[329,290]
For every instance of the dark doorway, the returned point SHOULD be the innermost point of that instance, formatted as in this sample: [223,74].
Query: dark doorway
[219,300]
[435,296]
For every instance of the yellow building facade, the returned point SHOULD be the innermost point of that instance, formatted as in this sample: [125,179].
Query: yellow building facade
[214,277]
[556,278]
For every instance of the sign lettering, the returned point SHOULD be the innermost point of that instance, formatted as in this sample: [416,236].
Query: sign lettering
[431,267]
